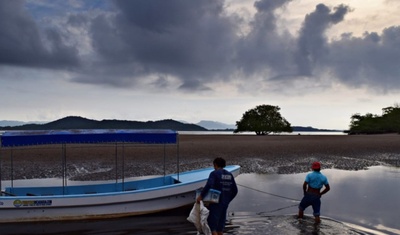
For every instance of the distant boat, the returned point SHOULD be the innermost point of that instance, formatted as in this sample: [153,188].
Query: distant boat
[99,201]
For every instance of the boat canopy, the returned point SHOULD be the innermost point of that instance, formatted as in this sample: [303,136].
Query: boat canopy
[26,138]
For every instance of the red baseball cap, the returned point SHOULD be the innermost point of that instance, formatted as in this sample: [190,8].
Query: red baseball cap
[316,166]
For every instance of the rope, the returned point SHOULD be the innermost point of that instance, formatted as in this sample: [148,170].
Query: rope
[271,211]
[275,195]
[282,208]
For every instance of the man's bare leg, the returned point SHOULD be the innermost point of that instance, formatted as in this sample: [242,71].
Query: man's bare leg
[301,214]
[216,233]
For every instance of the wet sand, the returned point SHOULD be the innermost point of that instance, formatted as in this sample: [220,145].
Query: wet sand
[282,154]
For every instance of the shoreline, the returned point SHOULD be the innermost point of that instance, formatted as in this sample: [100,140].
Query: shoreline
[280,154]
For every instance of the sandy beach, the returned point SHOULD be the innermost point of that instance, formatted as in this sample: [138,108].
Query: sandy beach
[282,154]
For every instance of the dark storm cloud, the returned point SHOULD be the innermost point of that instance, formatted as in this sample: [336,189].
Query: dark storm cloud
[372,60]
[312,42]
[22,43]
[195,41]
[190,44]
[264,47]
[192,40]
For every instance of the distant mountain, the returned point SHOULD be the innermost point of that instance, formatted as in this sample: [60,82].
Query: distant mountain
[15,123]
[211,125]
[73,122]
[309,128]
[10,123]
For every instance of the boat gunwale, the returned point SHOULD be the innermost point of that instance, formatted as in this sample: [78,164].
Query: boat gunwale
[138,191]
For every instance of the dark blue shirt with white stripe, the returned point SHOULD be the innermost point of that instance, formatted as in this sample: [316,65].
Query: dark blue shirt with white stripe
[223,181]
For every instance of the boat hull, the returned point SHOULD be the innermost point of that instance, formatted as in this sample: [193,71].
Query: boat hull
[106,205]
[106,210]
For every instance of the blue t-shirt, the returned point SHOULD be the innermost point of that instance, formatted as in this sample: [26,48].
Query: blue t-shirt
[223,181]
[316,180]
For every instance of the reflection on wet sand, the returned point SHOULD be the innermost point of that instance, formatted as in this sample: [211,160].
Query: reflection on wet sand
[240,223]
[259,224]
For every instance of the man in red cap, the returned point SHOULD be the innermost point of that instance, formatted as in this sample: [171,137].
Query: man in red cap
[312,191]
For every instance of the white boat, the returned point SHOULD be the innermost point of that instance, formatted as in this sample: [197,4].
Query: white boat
[98,201]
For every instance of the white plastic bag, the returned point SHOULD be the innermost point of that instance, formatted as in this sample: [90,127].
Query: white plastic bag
[198,216]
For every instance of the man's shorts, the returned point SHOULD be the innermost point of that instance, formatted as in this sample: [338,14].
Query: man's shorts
[217,217]
[311,199]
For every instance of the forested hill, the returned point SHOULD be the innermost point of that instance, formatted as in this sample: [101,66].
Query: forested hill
[73,122]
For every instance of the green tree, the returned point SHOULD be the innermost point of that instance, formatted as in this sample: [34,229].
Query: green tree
[389,122]
[391,118]
[263,119]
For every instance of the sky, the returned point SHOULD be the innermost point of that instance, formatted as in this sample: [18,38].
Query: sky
[192,60]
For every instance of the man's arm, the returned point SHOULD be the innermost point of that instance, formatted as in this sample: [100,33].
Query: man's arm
[326,189]
[305,187]
[234,188]
[209,184]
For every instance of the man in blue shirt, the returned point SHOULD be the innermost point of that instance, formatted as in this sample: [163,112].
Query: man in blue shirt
[223,181]
[312,191]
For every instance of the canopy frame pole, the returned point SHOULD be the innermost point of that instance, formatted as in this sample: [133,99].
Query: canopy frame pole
[177,154]
[123,167]
[12,169]
[116,162]
[0,172]
[64,165]
[165,161]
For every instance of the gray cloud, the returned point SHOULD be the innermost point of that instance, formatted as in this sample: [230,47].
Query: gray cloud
[22,43]
[191,44]
[369,61]
[192,40]
[264,47]
[312,42]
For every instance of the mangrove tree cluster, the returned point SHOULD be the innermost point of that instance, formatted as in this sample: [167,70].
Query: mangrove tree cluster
[388,122]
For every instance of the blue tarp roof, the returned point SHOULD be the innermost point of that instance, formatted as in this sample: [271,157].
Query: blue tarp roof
[24,138]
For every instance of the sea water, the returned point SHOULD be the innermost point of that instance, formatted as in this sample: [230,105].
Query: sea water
[253,133]
[360,202]
[366,198]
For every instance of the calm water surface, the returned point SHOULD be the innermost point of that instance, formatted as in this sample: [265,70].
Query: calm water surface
[253,133]
[369,200]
